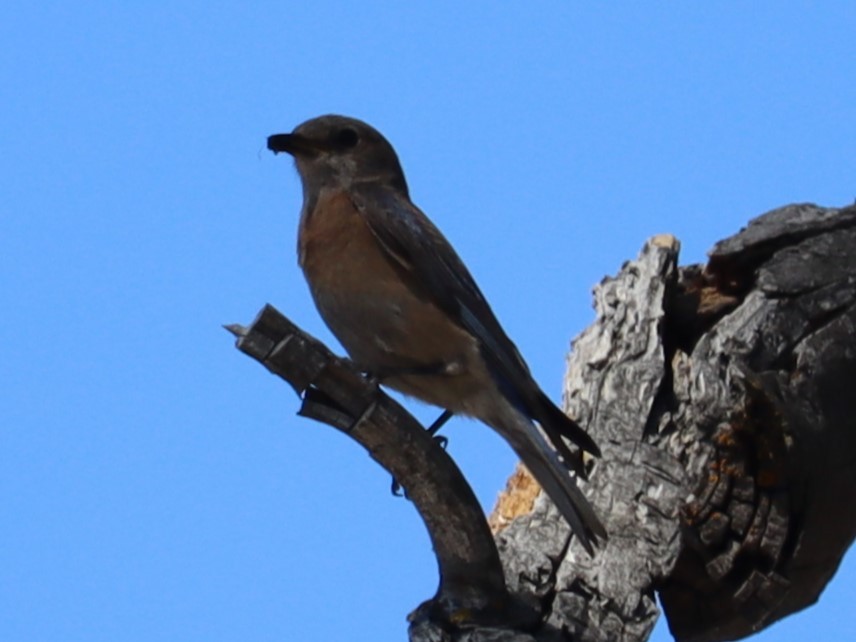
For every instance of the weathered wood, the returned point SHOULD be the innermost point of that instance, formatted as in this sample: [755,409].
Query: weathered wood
[722,397]
[615,378]
[770,397]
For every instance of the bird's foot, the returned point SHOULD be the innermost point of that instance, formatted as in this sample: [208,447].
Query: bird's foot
[396,488]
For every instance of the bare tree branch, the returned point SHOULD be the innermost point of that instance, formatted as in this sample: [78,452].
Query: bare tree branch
[472,589]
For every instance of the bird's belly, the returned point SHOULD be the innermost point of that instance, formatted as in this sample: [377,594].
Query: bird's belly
[408,343]
[405,340]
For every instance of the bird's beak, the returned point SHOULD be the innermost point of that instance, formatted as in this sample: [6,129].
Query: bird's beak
[294,144]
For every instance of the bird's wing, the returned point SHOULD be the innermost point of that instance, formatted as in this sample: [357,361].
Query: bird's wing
[415,243]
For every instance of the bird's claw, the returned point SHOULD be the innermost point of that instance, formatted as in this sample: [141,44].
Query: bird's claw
[441,440]
[397,489]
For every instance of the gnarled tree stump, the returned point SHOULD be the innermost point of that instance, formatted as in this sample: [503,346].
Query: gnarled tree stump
[724,398]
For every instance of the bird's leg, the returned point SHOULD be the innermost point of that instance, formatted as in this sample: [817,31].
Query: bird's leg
[378,375]
[439,422]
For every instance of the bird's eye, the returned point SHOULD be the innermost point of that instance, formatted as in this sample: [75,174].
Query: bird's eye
[346,138]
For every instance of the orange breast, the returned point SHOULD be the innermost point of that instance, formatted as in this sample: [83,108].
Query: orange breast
[337,248]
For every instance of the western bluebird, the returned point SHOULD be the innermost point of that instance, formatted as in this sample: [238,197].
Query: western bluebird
[404,306]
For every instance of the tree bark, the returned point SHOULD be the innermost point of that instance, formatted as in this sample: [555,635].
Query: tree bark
[722,397]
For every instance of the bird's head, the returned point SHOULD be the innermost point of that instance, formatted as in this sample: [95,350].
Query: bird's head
[337,151]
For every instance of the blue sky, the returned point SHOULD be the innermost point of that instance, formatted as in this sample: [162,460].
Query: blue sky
[155,484]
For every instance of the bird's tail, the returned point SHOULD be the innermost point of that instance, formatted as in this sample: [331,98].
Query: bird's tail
[553,476]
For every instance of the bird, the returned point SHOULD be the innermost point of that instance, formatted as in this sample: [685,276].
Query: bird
[406,309]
